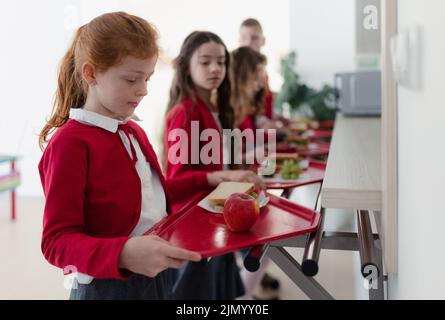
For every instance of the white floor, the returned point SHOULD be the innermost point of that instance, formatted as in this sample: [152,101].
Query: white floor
[26,275]
[24,271]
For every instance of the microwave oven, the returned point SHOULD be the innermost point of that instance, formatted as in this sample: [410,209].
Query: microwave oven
[359,93]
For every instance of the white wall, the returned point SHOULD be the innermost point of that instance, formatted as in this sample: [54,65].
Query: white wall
[421,157]
[323,34]
[35,35]
[33,39]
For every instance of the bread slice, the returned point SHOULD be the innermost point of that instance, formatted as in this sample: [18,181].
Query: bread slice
[281,157]
[299,140]
[226,189]
[298,126]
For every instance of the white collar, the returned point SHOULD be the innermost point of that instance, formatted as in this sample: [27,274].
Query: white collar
[98,120]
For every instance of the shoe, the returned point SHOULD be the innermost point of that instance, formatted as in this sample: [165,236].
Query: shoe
[268,289]
[270,283]
[265,294]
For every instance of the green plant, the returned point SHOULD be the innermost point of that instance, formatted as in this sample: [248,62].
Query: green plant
[302,99]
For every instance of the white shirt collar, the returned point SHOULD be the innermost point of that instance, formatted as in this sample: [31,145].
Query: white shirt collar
[98,120]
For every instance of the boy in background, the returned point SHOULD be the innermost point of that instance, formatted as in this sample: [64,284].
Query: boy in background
[251,35]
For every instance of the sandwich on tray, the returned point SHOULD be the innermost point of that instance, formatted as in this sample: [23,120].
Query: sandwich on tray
[225,189]
[215,201]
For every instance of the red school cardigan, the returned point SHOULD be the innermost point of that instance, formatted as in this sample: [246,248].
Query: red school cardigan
[189,178]
[248,123]
[268,101]
[93,198]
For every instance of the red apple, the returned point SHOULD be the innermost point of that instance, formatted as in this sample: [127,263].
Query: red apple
[241,211]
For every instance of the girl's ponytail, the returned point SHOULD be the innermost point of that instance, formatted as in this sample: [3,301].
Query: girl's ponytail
[70,92]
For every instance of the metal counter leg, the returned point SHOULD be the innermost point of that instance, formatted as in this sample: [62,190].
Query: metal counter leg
[252,261]
[371,260]
[312,249]
[377,286]
[293,270]
[309,265]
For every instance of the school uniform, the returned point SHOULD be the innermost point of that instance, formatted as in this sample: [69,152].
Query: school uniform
[218,278]
[248,123]
[103,185]
[268,101]
[195,174]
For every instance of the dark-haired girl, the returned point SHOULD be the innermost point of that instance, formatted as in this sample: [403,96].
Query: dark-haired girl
[201,72]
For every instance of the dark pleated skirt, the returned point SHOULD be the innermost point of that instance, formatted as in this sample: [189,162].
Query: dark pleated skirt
[216,279]
[137,287]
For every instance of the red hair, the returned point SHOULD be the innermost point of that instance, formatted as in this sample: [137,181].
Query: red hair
[103,42]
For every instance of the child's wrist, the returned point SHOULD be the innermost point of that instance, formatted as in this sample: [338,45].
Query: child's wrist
[125,254]
[213,179]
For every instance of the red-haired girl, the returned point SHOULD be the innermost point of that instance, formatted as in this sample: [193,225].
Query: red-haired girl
[102,182]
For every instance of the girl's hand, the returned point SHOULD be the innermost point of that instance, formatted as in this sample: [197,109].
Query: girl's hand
[217,177]
[150,255]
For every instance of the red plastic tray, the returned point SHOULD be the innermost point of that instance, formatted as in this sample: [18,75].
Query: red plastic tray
[319,134]
[312,149]
[328,124]
[199,230]
[321,163]
[314,174]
